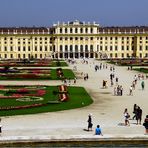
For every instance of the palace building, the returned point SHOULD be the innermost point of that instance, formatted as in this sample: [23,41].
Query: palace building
[74,40]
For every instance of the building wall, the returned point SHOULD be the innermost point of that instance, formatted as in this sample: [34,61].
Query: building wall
[74,40]
[25,46]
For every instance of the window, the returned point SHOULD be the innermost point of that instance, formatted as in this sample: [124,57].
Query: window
[35,38]
[132,47]
[91,30]
[76,30]
[106,48]
[40,48]
[111,48]
[111,38]
[11,48]
[19,48]
[101,48]
[45,48]
[66,48]
[86,30]
[60,30]
[81,38]
[86,48]
[36,48]
[5,48]
[28,48]
[81,48]
[71,38]
[5,55]
[81,30]
[116,38]
[91,38]
[61,38]
[122,48]
[66,38]
[122,55]
[116,55]
[127,47]
[146,48]
[70,30]
[65,30]
[61,48]
[140,38]
[140,55]
[116,48]
[140,48]
[24,48]
[91,47]
[11,56]
[76,38]
[41,56]
[71,48]
[111,55]
[76,48]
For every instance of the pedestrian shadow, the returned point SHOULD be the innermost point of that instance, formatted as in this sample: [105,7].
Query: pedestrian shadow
[87,130]
[105,93]
[121,124]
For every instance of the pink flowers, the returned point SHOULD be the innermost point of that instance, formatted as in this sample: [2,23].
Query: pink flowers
[41,92]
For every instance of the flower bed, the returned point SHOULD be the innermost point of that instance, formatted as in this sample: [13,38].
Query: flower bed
[63,97]
[62,88]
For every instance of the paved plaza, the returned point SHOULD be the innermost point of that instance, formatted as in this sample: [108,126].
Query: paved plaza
[107,109]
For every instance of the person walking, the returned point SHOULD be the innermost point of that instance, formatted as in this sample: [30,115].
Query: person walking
[142,85]
[126,117]
[135,111]
[145,124]
[89,123]
[139,115]
[98,131]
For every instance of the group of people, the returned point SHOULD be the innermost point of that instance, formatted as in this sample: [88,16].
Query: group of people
[137,111]
[98,130]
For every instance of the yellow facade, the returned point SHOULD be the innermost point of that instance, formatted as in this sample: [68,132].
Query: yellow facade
[74,40]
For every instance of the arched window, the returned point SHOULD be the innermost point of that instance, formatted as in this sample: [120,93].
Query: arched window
[86,48]
[66,48]
[61,48]
[81,48]
[76,30]
[76,48]
[60,30]
[71,48]
[81,30]
[91,48]
[65,30]
[86,30]
[91,30]
[70,30]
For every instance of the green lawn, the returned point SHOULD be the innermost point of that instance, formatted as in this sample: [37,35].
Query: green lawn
[141,70]
[59,64]
[78,98]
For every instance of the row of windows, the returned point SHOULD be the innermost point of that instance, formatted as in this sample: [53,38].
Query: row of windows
[23,56]
[39,38]
[24,48]
[76,38]
[76,48]
[123,55]
[122,38]
[110,48]
[76,30]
